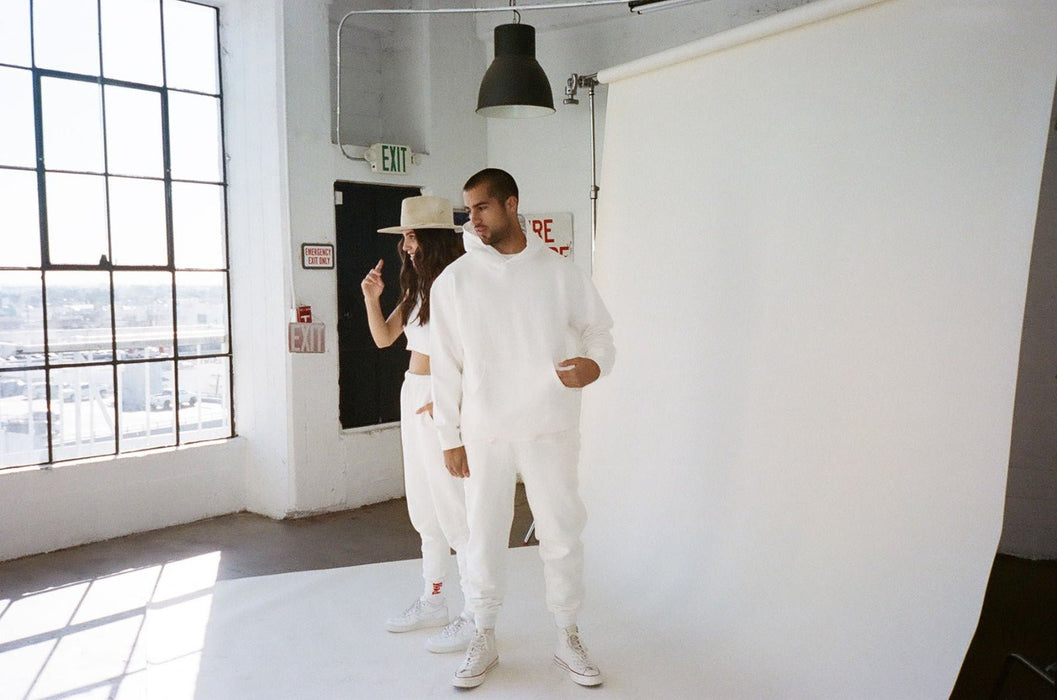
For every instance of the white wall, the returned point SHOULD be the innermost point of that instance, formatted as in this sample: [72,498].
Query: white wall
[333,469]
[817,248]
[71,504]
[381,60]
[254,112]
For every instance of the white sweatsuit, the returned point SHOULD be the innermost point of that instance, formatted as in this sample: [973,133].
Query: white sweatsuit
[436,502]
[500,325]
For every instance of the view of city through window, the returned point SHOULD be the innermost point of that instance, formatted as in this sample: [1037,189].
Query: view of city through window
[114,316]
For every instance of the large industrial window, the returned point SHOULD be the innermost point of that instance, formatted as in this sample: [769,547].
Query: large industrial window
[114,310]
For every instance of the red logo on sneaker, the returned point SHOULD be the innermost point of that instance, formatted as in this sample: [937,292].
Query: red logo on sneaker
[436,587]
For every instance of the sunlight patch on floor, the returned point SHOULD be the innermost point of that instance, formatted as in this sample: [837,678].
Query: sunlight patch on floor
[108,637]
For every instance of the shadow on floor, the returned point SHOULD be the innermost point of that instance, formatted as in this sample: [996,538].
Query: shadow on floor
[1019,615]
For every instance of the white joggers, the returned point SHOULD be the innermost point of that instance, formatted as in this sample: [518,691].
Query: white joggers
[548,467]
[435,499]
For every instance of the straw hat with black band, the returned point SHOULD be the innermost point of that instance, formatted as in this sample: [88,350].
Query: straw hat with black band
[424,212]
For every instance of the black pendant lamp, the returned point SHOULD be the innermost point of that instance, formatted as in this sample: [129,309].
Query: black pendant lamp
[515,86]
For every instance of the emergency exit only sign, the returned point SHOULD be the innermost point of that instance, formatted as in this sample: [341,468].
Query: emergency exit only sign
[317,256]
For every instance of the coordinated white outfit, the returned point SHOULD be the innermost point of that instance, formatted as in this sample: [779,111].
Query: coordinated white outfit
[500,325]
[435,499]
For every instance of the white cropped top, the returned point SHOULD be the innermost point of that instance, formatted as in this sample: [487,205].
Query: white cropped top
[417,336]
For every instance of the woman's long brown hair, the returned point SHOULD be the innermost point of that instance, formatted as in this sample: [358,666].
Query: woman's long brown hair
[437,247]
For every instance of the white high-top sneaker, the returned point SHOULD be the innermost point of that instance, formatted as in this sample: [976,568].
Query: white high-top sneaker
[456,636]
[572,656]
[481,657]
[419,615]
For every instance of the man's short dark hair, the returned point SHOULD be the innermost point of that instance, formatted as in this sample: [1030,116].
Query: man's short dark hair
[500,183]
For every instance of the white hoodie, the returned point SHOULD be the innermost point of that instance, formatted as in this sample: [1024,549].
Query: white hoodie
[499,327]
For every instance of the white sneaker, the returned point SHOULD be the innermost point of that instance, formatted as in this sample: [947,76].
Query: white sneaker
[456,636]
[572,656]
[421,614]
[481,657]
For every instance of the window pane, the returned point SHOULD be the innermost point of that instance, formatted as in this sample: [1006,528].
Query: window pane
[132,40]
[194,137]
[205,393]
[76,218]
[17,136]
[137,222]
[73,125]
[133,132]
[20,231]
[191,47]
[78,316]
[198,225]
[84,399]
[21,320]
[201,313]
[81,384]
[143,314]
[23,420]
[147,406]
[14,32]
[66,35]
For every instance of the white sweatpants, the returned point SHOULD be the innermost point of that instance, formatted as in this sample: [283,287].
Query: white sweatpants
[548,467]
[436,501]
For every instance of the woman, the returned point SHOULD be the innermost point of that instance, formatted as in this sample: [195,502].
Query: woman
[435,500]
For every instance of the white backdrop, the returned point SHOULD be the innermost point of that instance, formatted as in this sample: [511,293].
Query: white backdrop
[814,234]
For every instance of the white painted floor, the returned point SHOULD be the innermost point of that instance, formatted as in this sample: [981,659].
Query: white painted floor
[320,634]
[177,633]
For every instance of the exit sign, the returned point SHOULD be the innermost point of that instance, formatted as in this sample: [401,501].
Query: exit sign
[389,158]
[306,337]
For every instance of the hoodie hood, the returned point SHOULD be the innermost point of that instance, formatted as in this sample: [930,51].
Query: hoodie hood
[473,244]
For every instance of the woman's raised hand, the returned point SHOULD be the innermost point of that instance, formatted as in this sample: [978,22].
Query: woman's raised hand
[372,285]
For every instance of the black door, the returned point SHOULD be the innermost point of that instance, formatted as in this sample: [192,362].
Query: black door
[369,378]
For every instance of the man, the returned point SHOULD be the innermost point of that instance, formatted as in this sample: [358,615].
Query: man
[517,332]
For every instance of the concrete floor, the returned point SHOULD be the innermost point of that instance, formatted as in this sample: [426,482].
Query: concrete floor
[251,545]
[1019,612]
